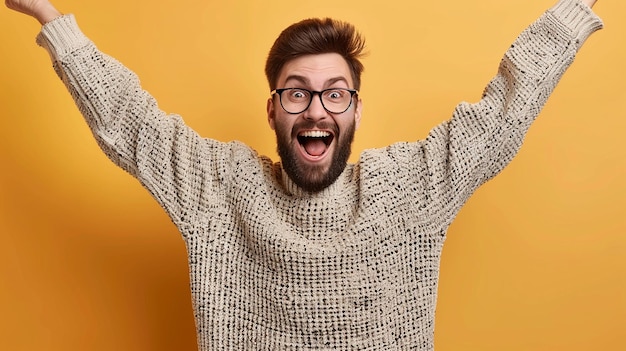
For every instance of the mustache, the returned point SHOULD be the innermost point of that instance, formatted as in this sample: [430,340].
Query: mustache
[308,125]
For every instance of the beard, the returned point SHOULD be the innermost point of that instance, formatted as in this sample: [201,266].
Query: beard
[314,178]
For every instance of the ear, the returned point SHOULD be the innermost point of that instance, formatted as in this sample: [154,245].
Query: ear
[357,113]
[271,115]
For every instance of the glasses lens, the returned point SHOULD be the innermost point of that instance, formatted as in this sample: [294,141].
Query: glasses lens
[336,100]
[295,100]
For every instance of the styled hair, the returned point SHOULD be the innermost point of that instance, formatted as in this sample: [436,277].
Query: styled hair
[316,36]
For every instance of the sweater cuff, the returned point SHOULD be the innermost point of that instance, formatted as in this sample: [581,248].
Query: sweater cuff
[61,36]
[578,17]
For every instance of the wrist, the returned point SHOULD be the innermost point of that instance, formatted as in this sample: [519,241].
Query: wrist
[46,13]
[589,3]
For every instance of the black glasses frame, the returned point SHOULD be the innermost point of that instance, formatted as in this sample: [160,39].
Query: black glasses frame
[312,94]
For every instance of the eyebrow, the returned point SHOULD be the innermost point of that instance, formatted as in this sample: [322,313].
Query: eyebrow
[305,81]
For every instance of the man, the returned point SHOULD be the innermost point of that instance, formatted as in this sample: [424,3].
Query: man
[312,252]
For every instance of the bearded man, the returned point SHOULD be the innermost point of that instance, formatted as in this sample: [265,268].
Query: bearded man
[312,252]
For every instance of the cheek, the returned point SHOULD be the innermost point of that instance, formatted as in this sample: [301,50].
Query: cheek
[282,129]
[347,127]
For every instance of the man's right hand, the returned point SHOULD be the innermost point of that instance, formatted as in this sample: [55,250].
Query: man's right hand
[42,10]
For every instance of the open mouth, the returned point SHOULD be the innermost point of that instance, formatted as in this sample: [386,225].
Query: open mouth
[315,142]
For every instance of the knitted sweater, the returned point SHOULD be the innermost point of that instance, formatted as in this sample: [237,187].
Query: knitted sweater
[354,267]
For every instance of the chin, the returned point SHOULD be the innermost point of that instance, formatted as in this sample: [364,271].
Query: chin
[314,178]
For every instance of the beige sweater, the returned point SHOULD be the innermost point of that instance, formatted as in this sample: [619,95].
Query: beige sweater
[354,267]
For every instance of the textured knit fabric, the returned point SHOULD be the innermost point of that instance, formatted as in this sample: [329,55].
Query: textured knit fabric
[354,267]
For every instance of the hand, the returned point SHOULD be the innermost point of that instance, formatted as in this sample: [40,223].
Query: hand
[42,10]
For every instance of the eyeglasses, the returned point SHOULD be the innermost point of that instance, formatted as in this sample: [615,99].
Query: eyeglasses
[298,100]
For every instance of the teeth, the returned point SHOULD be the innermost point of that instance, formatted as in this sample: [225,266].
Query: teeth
[315,134]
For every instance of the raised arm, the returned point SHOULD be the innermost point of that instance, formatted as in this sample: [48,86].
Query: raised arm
[483,137]
[178,167]
[42,10]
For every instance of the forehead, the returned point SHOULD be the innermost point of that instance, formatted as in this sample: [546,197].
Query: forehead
[316,70]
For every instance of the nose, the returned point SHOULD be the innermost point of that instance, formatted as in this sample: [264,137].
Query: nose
[316,110]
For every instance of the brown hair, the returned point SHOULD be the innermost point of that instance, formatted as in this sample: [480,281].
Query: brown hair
[316,36]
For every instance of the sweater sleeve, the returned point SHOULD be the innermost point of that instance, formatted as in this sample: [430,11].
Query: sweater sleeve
[179,168]
[482,138]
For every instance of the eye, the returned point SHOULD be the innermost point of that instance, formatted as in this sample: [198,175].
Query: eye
[298,94]
[335,94]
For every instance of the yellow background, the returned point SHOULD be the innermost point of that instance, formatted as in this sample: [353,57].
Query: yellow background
[535,261]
